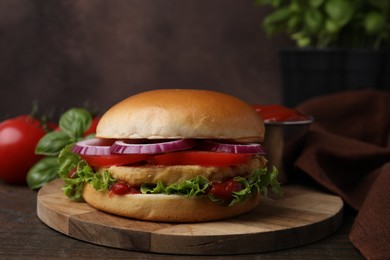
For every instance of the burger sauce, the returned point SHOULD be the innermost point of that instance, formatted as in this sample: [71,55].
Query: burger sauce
[122,188]
[224,190]
[220,190]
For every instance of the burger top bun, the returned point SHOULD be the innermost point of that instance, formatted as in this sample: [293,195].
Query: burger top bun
[181,113]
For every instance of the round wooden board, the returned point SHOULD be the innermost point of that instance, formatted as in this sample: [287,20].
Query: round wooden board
[300,217]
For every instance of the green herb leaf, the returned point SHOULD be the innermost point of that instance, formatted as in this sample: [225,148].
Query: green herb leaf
[278,15]
[75,122]
[380,4]
[275,18]
[331,27]
[52,143]
[313,19]
[340,11]
[374,22]
[293,22]
[330,23]
[316,3]
[42,172]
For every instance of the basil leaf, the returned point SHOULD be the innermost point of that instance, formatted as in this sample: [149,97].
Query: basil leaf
[42,172]
[52,143]
[75,122]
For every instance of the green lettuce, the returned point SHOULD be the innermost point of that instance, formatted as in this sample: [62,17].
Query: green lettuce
[83,174]
[257,182]
[190,188]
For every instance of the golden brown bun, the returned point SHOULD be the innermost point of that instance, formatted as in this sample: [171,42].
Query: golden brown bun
[165,208]
[181,113]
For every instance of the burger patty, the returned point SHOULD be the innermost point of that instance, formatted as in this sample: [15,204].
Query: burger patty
[136,176]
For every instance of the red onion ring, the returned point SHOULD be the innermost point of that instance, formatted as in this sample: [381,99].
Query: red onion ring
[232,148]
[94,146]
[122,147]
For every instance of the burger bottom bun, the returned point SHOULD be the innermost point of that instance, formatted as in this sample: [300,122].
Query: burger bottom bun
[165,208]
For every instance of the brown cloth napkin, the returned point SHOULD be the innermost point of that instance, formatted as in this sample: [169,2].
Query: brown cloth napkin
[347,151]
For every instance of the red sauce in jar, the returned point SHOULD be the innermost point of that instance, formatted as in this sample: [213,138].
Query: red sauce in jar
[278,113]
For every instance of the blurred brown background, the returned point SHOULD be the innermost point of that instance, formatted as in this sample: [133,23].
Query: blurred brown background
[68,53]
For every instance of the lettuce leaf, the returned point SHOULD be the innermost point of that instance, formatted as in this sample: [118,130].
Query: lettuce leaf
[84,174]
[258,181]
[190,188]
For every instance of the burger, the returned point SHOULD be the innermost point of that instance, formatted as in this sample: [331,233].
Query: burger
[172,155]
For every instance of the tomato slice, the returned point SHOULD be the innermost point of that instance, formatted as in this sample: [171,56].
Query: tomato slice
[114,159]
[201,158]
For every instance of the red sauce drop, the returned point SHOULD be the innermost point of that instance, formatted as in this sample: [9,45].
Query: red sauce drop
[123,188]
[224,190]
[72,173]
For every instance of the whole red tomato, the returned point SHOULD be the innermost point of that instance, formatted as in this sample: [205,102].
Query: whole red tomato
[18,138]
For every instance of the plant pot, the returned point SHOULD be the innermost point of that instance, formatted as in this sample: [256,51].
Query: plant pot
[311,72]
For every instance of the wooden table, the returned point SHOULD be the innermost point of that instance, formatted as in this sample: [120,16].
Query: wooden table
[23,235]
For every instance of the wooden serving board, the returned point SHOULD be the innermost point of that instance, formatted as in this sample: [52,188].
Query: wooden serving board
[300,217]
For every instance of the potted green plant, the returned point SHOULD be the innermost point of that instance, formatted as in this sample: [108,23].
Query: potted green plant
[339,45]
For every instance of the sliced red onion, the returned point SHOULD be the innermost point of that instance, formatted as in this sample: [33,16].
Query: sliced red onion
[232,148]
[122,147]
[94,146]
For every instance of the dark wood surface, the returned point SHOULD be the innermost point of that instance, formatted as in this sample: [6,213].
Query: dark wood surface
[23,235]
